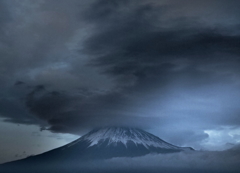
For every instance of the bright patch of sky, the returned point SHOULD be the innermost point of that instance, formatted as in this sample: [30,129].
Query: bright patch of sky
[222,138]
[30,141]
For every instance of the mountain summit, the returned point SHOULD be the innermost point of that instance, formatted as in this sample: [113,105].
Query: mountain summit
[122,142]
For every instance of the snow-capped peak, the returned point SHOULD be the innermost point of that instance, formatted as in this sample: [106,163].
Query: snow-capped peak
[124,135]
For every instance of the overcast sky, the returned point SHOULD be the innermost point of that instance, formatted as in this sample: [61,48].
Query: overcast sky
[169,67]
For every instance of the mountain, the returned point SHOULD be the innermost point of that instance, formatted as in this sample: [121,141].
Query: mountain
[121,142]
[99,144]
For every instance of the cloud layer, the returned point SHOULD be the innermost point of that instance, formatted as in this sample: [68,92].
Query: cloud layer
[167,66]
[197,161]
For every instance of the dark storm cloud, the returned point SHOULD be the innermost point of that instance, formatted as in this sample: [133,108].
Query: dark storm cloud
[67,112]
[147,55]
[17,115]
[36,36]
[136,48]
[5,16]
[151,64]
[13,107]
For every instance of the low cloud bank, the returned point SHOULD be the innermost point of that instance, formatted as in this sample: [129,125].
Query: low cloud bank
[198,161]
[227,161]
[206,161]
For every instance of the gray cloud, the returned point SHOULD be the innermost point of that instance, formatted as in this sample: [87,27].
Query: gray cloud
[68,112]
[225,161]
[159,65]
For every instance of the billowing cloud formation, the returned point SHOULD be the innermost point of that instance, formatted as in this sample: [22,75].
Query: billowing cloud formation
[168,66]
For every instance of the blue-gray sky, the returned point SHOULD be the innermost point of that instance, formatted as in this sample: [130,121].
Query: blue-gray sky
[170,67]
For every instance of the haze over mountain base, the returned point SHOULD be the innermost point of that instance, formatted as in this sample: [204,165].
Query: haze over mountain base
[182,162]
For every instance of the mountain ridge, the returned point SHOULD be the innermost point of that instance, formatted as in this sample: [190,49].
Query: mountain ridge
[99,144]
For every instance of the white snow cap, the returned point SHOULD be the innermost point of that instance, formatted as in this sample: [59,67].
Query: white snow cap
[124,135]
